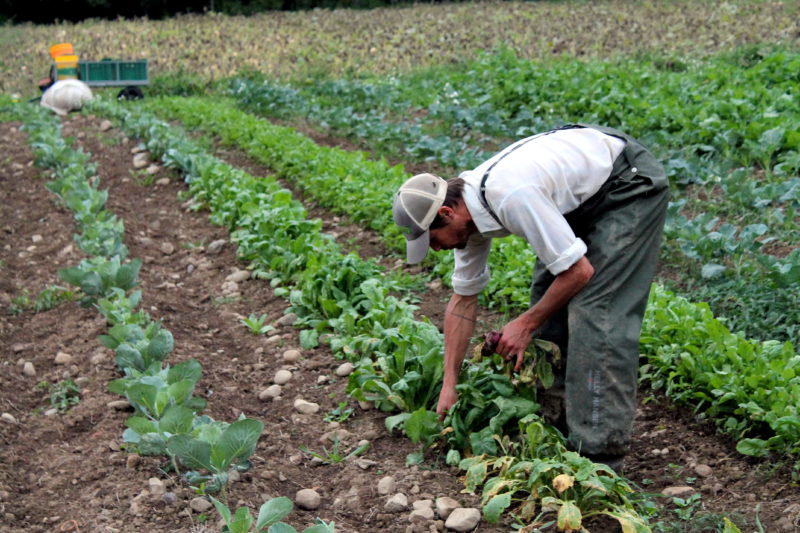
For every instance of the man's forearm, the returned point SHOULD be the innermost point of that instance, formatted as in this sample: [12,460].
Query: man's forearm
[459,324]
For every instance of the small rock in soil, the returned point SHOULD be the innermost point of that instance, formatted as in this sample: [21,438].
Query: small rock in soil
[423,504]
[307,408]
[703,470]
[36,238]
[344,370]
[63,358]
[152,170]
[118,404]
[364,464]
[238,276]
[28,369]
[423,514]
[51,412]
[274,339]
[141,160]
[8,417]
[291,356]
[386,485]
[397,503]
[200,505]
[270,392]
[167,248]
[678,491]
[156,486]
[162,181]
[106,125]
[445,505]
[287,320]
[132,460]
[282,377]
[216,246]
[463,519]
[307,499]
[169,498]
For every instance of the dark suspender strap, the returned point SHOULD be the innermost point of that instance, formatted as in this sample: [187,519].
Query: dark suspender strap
[482,189]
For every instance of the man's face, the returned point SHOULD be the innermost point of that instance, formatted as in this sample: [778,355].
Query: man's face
[453,235]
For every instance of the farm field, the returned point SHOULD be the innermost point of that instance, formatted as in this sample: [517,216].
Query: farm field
[235,225]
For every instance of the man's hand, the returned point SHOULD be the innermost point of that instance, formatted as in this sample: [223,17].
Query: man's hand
[447,398]
[514,340]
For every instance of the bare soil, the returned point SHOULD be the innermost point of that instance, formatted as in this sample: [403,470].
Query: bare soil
[69,472]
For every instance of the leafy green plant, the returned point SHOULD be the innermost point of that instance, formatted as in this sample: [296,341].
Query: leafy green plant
[268,521]
[19,303]
[64,395]
[51,297]
[215,450]
[256,324]
[335,455]
[97,276]
[340,413]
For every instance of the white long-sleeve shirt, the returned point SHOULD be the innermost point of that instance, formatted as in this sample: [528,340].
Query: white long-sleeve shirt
[530,190]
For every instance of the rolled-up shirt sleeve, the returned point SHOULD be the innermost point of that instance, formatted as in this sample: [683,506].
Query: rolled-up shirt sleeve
[531,213]
[471,272]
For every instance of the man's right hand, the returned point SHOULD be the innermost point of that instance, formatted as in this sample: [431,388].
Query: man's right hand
[447,398]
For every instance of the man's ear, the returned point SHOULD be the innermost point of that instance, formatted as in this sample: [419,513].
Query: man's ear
[446,213]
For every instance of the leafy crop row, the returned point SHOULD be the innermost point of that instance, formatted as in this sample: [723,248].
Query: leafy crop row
[714,124]
[347,302]
[167,420]
[322,171]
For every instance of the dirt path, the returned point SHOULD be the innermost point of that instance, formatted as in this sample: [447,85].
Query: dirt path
[69,467]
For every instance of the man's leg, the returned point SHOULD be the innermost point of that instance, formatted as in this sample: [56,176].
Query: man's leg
[604,322]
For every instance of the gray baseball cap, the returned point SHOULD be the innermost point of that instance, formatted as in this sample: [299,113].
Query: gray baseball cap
[415,206]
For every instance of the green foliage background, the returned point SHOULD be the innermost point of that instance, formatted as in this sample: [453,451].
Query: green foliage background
[387,41]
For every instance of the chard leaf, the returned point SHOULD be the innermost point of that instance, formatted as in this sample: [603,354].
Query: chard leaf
[193,453]
[422,425]
[475,476]
[273,511]
[309,338]
[569,517]
[495,507]
[394,421]
[754,447]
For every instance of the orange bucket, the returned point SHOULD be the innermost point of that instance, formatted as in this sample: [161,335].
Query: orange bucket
[62,49]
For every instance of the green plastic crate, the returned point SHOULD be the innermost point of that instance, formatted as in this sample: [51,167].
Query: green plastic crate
[111,72]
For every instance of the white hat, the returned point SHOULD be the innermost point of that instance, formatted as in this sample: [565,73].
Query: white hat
[66,95]
[415,206]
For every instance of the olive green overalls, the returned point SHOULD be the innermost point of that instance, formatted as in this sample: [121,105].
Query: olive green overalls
[598,331]
[594,396]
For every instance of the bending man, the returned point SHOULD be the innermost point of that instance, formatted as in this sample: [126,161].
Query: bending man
[591,201]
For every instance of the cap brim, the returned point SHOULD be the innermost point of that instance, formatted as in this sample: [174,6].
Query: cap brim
[417,249]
